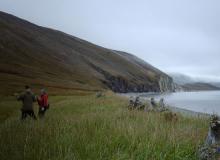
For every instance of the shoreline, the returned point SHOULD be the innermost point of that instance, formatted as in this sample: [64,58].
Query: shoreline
[187,112]
[175,109]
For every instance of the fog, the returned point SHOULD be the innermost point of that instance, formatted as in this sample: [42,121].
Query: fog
[174,35]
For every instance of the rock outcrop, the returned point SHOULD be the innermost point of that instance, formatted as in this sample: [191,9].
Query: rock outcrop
[166,84]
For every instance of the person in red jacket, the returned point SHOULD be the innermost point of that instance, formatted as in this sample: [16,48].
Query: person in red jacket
[43,103]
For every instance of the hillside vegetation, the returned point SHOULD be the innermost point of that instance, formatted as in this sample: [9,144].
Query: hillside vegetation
[43,57]
[90,128]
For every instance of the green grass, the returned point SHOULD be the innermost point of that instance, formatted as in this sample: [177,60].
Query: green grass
[87,128]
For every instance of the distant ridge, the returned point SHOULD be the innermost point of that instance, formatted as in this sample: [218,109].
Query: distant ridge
[181,79]
[199,86]
[38,56]
[187,83]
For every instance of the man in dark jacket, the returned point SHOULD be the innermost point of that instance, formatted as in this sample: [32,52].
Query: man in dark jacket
[27,99]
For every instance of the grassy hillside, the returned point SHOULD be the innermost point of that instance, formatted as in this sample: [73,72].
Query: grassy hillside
[84,127]
[38,56]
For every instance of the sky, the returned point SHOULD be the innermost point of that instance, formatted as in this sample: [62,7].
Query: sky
[176,36]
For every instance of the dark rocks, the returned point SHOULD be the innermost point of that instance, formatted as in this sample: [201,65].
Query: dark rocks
[121,84]
[206,153]
[211,148]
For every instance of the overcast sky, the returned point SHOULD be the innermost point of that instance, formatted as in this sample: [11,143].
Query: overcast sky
[181,36]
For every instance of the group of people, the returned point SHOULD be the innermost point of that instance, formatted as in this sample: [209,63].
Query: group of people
[161,102]
[28,98]
[137,104]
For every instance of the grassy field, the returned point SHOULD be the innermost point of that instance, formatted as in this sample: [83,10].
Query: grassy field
[90,128]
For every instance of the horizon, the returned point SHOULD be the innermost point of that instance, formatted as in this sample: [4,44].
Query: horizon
[185,38]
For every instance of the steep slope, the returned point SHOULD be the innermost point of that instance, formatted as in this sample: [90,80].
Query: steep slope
[30,54]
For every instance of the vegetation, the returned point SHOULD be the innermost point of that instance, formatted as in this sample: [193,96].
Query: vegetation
[86,127]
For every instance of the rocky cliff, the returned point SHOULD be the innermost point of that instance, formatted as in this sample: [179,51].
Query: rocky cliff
[166,84]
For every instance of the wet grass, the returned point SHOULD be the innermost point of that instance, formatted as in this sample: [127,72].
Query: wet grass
[90,128]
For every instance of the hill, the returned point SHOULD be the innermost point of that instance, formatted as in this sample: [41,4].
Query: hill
[217,84]
[199,87]
[187,83]
[181,79]
[43,57]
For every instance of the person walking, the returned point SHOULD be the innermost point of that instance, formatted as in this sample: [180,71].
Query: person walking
[153,103]
[161,103]
[43,103]
[27,99]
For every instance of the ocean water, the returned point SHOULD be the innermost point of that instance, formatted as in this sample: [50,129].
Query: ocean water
[204,101]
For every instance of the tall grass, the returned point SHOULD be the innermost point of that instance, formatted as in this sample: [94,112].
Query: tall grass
[89,128]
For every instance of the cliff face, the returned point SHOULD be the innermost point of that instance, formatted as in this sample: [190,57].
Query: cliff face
[166,84]
[38,56]
[118,84]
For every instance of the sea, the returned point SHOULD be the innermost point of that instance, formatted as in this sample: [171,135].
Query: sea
[202,101]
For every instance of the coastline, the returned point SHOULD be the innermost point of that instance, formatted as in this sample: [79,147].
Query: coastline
[175,109]
[187,112]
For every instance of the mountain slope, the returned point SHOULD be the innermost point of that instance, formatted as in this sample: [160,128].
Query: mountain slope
[181,79]
[199,87]
[187,83]
[30,54]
